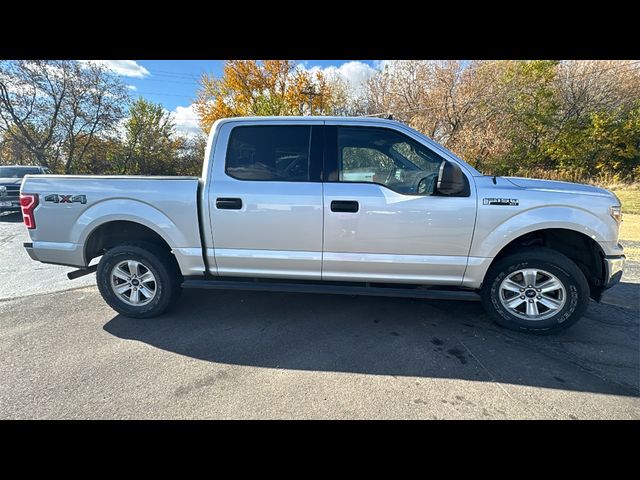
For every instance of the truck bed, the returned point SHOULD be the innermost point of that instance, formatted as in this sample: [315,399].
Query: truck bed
[71,207]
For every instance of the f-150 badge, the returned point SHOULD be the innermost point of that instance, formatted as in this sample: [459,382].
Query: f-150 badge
[55,198]
[500,201]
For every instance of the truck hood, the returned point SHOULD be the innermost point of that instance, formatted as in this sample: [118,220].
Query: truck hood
[10,181]
[558,187]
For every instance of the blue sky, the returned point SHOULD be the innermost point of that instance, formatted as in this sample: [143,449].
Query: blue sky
[174,83]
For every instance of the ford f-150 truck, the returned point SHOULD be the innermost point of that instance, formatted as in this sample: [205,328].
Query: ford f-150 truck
[335,205]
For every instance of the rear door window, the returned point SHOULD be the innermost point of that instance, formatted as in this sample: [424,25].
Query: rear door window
[269,153]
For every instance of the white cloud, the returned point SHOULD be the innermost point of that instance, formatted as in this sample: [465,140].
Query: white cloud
[356,73]
[132,87]
[186,121]
[126,68]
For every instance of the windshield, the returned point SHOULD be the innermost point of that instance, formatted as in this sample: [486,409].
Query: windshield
[17,172]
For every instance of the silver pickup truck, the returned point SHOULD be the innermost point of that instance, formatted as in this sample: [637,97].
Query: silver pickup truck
[333,205]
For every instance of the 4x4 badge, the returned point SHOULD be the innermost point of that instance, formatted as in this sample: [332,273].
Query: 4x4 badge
[55,198]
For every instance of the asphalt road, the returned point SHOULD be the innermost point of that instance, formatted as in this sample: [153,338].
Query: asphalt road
[65,354]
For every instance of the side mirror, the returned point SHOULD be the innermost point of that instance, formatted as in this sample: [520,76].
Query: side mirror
[451,181]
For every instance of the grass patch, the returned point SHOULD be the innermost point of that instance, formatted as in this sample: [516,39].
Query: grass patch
[630,232]
[630,198]
[630,228]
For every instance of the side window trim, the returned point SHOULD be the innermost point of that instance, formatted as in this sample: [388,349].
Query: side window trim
[330,171]
[315,154]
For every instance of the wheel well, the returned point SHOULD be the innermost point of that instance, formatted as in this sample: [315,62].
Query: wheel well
[582,249]
[111,234]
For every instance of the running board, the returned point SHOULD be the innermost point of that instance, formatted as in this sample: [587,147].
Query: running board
[428,293]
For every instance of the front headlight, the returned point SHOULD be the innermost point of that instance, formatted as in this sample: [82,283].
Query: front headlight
[3,190]
[616,213]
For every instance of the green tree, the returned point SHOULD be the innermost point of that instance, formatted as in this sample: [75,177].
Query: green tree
[604,144]
[189,155]
[561,119]
[14,152]
[57,108]
[524,107]
[149,147]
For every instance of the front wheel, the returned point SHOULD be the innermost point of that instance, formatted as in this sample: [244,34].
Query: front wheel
[536,290]
[138,279]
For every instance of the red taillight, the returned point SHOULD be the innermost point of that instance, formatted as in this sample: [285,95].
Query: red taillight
[28,203]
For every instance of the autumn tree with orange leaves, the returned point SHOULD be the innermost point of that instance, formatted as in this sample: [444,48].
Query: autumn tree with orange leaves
[267,87]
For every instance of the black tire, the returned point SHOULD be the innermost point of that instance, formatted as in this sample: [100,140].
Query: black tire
[159,261]
[565,270]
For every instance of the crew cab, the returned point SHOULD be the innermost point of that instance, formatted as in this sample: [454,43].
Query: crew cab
[333,205]
[10,179]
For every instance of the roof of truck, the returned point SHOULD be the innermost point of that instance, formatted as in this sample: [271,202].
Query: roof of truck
[312,117]
[21,166]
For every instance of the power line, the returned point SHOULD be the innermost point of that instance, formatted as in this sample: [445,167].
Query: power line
[172,74]
[171,81]
[162,73]
[163,94]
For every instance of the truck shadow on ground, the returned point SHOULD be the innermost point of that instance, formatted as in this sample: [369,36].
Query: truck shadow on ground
[396,337]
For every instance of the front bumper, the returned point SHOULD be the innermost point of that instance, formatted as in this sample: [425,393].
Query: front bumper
[13,204]
[614,267]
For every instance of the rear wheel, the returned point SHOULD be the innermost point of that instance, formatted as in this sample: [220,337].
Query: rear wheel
[537,290]
[138,279]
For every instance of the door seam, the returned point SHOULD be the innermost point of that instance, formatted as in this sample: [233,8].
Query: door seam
[322,240]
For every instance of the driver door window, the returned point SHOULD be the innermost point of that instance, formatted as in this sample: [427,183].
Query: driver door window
[386,157]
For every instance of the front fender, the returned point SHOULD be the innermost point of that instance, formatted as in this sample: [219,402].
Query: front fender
[492,236]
